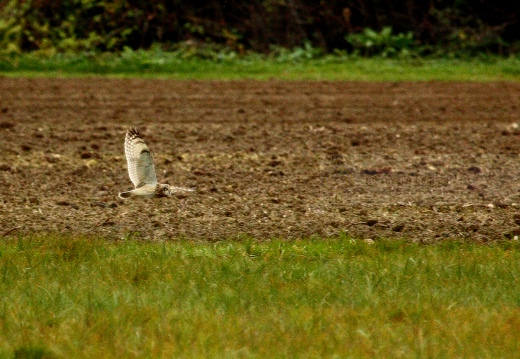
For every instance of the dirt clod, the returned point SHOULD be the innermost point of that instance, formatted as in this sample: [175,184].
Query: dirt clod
[475,169]
[371,222]
[398,228]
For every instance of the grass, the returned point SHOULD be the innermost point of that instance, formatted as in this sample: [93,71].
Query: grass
[161,64]
[85,297]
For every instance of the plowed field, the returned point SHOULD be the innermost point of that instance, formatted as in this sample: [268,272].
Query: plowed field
[423,160]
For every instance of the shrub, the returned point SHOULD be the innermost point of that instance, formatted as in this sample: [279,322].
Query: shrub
[384,43]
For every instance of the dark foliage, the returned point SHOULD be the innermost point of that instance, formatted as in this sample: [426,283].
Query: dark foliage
[71,25]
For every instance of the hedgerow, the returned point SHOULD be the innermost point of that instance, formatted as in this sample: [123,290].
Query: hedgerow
[366,26]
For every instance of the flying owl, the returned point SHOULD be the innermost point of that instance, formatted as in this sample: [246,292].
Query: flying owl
[142,170]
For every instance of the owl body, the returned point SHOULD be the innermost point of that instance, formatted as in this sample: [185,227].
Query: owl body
[148,190]
[142,170]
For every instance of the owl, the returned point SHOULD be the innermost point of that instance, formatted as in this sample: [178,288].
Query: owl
[142,170]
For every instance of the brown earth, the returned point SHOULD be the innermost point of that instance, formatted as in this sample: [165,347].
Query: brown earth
[423,161]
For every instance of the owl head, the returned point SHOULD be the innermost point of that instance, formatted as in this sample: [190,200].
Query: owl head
[164,190]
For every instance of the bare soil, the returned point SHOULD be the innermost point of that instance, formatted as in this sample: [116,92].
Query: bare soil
[424,161]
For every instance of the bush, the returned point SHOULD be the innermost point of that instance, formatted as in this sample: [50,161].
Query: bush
[384,43]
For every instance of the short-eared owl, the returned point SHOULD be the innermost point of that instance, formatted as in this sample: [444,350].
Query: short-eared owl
[142,170]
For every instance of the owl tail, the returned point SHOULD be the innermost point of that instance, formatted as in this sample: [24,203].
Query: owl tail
[181,189]
[125,195]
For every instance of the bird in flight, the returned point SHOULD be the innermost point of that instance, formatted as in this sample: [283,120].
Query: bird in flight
[142,170]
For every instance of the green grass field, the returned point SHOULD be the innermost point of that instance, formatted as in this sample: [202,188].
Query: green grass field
[83,297]
[157,64]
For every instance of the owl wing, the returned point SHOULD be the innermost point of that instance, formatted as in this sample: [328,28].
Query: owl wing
[139,159]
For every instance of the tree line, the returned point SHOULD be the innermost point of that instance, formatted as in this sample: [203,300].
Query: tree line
[258,25]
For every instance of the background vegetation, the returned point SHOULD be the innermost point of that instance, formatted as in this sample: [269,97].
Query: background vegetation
[365,27]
